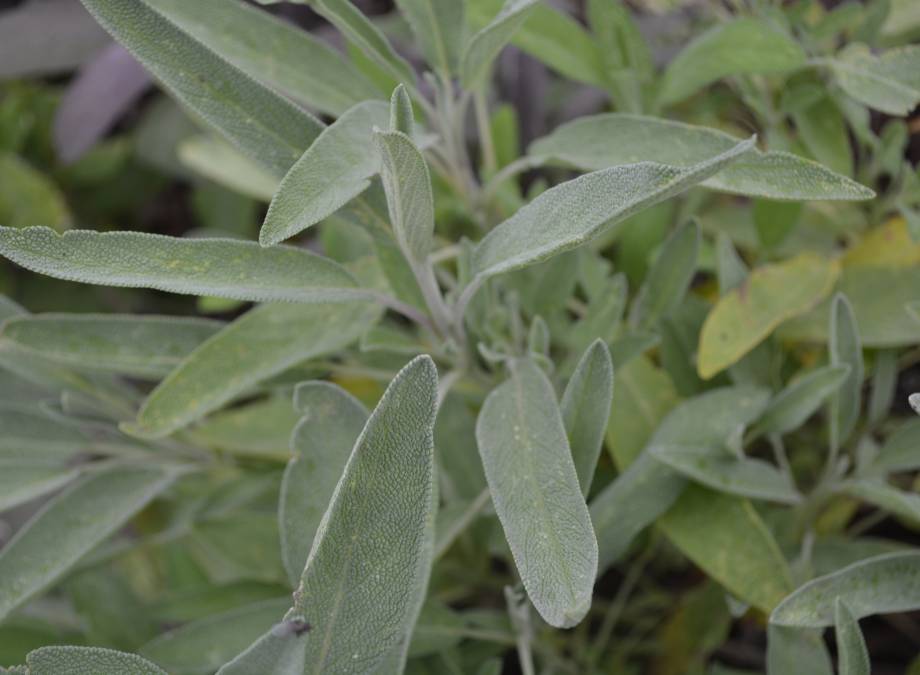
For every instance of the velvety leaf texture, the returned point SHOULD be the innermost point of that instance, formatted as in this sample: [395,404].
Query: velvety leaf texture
[486,44]
[851,647]
[88,661]
[889,82]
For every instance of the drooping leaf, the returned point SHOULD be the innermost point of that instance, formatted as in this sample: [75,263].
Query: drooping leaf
[881,585]
[536,494]
[261,343]
[228,268]
[905,505]
[791,650]
[888,82]
[69,526]
[851,647]
[669,277]
[438,27]
[585,409]
[335,169]
[132,345]
[264,125]
[272,51]
[748,314]
[485,45]
[57,660]
[609,139]
[574,212]
[844,348]
[800,399]
[321,443]
[737,47]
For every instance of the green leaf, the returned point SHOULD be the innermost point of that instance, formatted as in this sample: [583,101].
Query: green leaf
[218,160]
[574,212]
[901,450]
[669,277]
[260,430]
[851,647]
[742,318]
[585,409]
[227,268]
[407,184]
[272,51]
[69,526]
[626,57]
[888,82]
[57,660]
[793,650]
[800,399]
[823,131]
[335,169]
[263,342]
[361,32]
[609,139]
[844,348]
[28,433]
[536,494]
[882,585]
[132,345]
[27,196]
[321,443]
[716,469]
[438,27]
[23,480]
[737,47]
[551,36]
[201,647]
[487,43]
[402,117]
[729,540]
[905,505]
[264,125]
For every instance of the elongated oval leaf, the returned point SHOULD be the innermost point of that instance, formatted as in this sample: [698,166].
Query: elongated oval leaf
[599,141]
[844,347]
[791,650]
[486,44]
[570,214]
[335,169]
[225,268]
[212,157]
[29,433]
[901,450]
[585,409]
[299,64]
[57,660]
[905,505]
[132,345]
[881,585]
[800,399]
[27,196]
[771,294]
[24,480]
[438,27]
[669,277]
[536,494]
[261,343]
[851,647]
[741,46]
[69,526]
[888,82]
[264,125]
[321,443]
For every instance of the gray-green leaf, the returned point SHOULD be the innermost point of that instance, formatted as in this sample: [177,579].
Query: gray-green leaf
[536,494]
[905,505]
[851,647]
[609,139]
[486,44]
[89,660]
[889,82]
[799,400]
[669,277]
[24,480]
[844,348]
[438,27]
[794,650]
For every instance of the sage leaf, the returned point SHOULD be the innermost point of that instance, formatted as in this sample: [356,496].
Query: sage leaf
[218,160]
[729,540]
[851,647]
[844,348]
[485,45]
[57,660]
[901,450]
[277,652]
[261,343]
[131,345]
[888,82]
[24,480]
[227,268]
[881,585]
[626,57]
[402,117]
[321,443]
[609,139]
[259,430]
[264,125]
[574,212]
[438,27]
[740,46]
[297,63]
[716,469]
[27,196]
[69,526]
[742,318]
[407,184]
[585,408]
[905,505]
[792,650]
[800,399]
[202,646]
[668,279]
[335,169]
[28,433]
[536,494]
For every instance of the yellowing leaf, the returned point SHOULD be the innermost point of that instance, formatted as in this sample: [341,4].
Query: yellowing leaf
[743,317]
[889,245]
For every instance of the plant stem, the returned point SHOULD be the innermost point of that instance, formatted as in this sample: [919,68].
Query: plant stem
[489,159]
